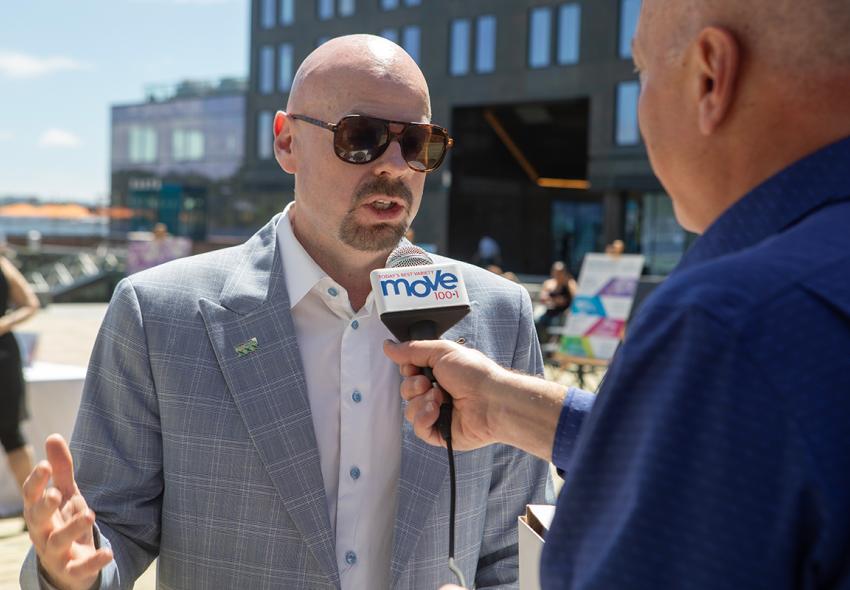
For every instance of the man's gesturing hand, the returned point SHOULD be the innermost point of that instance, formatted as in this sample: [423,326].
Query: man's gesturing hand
[466,374]
[60,522]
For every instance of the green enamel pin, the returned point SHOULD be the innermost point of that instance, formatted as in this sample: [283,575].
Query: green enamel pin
[246,347]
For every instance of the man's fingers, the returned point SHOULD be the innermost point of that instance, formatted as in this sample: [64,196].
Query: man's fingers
[39,515]
[36,483]
[59,456]
[59,541]
[90,565]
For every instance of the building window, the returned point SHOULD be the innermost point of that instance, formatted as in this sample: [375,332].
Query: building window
[628,131]
[629,12]
[410,40]
[325,9]
[284,67]
[287,12]
[389,4]
[459,64]
[485,44]
[142,145]
[540,37]
[412,2]
[390,33]
[187,145]
[265,135]
[569,33]
[322,40]
[267,13]
[266,71]
[346,7]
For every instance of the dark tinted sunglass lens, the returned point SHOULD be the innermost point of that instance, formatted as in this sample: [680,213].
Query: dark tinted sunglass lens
[360,139]
[423,147]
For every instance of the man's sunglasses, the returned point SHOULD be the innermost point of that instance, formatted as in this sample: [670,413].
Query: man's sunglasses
[359,139]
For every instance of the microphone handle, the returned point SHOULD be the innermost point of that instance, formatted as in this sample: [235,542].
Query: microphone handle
[427,330]
[444,422]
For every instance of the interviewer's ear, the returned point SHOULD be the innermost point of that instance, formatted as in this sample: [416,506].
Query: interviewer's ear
[718,58]
[283,142]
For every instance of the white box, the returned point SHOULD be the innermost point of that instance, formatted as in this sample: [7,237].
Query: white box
[532,527]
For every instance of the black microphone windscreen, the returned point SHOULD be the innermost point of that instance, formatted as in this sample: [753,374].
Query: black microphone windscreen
[408,255]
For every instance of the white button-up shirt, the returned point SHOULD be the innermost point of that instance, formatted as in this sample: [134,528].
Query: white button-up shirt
[354,399]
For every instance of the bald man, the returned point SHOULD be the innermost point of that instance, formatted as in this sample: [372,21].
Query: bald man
[717,454]
[239,420]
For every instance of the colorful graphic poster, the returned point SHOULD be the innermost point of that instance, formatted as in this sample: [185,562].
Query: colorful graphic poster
[606,292]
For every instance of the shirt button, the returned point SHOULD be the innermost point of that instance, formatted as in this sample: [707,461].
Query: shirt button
[355,324]
[350,557]
[354,472]
[357,397]
[333,292]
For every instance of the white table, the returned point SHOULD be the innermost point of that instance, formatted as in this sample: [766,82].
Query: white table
[53,396]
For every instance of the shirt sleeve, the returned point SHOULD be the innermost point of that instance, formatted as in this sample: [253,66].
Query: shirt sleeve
[577,405]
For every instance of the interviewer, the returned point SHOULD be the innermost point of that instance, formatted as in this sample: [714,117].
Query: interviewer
[717,454]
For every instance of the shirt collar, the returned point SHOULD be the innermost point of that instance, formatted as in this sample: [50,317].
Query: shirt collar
[300,271]
[779,202]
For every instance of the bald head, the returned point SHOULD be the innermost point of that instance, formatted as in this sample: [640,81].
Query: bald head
[807,36]
[735,90]
[331,76]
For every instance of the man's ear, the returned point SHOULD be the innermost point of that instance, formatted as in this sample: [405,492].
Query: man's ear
[283,142]
[718,59]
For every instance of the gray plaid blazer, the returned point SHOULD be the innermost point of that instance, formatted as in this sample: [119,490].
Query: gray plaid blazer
[206,458]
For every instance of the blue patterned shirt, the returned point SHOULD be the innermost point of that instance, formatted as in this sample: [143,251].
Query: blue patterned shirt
[718,452]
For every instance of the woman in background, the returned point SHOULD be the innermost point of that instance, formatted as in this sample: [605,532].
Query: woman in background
[17,304]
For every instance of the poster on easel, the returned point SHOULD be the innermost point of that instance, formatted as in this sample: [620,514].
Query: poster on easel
[606,292]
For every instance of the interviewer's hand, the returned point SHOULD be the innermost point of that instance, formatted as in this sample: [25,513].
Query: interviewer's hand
[491,404]
[60,522]
[467,374]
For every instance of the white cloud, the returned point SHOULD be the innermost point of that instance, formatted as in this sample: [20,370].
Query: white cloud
[194,2]
[59,138]
[6,135]
[21,65]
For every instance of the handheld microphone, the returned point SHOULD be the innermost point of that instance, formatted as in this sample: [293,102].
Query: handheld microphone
[420,300]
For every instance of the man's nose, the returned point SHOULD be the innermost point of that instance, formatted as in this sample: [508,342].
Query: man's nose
[392,161]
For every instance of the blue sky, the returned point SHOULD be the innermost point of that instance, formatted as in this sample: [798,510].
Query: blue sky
[64,62]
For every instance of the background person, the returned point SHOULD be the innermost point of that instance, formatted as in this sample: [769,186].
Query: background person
[717,454]
[18,303]
[556,296]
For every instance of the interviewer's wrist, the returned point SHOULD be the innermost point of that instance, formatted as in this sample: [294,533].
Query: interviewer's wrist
[525,412]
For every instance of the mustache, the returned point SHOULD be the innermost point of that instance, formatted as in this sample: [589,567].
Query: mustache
[383,186]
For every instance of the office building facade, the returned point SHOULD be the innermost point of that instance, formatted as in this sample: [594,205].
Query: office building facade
[175,157]
[541,99]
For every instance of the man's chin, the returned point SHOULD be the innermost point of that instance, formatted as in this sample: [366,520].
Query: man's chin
[382,237]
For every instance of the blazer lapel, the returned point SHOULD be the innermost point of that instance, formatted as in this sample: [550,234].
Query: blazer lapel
[424,471]
[254,340]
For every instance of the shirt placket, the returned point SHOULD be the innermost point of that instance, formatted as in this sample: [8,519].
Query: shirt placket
[354,435]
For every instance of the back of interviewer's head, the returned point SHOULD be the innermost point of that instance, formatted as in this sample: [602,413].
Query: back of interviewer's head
[734,91]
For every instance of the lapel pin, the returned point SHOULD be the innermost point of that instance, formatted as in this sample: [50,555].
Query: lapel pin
[246,347]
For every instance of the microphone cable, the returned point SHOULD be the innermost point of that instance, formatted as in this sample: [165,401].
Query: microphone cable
[444,424]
